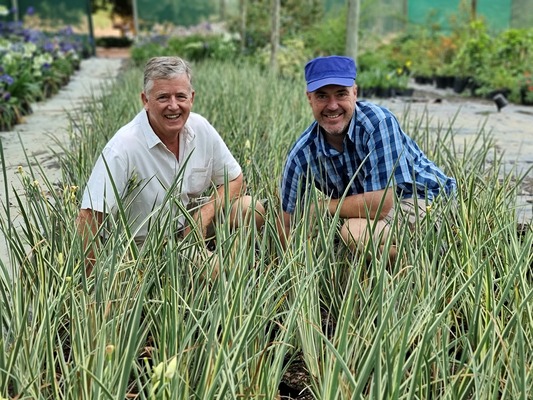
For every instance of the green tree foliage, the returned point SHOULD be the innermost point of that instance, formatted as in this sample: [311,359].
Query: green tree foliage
[296,15]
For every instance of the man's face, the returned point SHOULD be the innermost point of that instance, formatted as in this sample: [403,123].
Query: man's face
[168,105]
[333,107]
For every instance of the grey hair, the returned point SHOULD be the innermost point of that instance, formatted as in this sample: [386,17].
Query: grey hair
[165,68]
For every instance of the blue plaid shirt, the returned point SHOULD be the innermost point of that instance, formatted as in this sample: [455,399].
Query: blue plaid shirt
[377,154]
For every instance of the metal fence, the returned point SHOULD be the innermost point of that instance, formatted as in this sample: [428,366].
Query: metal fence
[51,14]
[499,15]
[377,16]
[182,13]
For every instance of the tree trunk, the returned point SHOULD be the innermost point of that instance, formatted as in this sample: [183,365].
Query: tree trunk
[135,11]
[222,11]
[243,4]
[473,9]
[15,7]
[352,28]
[274,37]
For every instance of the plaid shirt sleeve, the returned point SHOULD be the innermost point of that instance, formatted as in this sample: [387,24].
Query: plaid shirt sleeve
[394,158]
[386,157]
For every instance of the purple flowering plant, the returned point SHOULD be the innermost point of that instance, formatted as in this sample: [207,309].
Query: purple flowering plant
[33,65]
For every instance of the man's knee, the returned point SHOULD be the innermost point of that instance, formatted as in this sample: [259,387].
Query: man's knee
[352,232]
[356,231]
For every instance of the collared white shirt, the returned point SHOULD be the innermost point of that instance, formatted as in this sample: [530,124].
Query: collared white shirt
[149,179]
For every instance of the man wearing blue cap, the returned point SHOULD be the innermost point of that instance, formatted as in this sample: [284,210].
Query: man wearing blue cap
[357,155]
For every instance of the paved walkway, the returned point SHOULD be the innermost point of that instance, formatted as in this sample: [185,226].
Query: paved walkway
[49,123]
[511,129]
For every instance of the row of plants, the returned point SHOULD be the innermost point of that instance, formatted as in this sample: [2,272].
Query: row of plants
[450,319]
[34,65]
[469,58]
[376,76]
[193,47]
[379,79]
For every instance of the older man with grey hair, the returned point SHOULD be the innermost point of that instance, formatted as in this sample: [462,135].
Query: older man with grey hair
[165,156]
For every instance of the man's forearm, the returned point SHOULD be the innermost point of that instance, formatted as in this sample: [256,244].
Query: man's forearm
[87,224]
[206,214]
[235,188]
[374,205]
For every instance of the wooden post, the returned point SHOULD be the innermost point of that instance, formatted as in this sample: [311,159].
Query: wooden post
[274,37]
[352,28]
[243,4]
[222,11]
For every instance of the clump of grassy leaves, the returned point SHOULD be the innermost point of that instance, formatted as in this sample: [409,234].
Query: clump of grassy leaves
[451,318]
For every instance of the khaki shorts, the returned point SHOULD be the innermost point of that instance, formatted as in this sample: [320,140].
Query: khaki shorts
[415,210]
[411,211]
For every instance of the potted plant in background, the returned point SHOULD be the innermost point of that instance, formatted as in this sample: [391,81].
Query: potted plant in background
[365,84]
[371,72]
[444,76]
[525,84]
[505,70]
[512,62]
[400,81]
[423,71]
[370,82]
[472,56]
[497,80]
[445,52]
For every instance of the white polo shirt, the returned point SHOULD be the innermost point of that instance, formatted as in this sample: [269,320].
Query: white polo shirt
[148,177]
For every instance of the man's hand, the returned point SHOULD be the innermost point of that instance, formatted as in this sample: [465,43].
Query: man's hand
[206,214]
[283,228]
[87,224]
[202,217]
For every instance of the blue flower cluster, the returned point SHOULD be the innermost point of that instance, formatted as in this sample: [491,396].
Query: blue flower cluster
[34,64]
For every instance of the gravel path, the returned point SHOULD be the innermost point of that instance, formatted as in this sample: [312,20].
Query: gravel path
[512,128]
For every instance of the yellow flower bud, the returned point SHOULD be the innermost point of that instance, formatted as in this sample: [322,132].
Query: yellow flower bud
[157,371]
[109,349]
[171,368]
